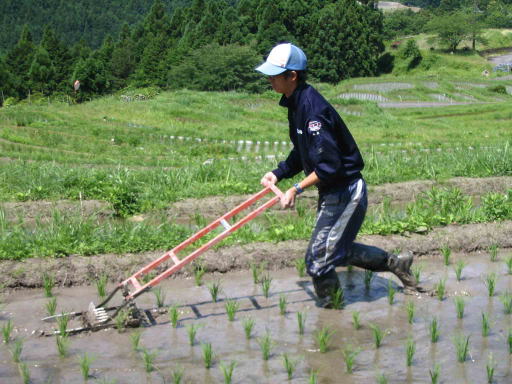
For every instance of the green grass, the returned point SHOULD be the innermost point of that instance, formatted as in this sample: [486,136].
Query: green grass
[301,321]
[410,308]
[266,282]
[458,269]
[248,325]
[350,353]
[266,343]
[506,300]
[51,306]
[16,350]
[214,288]
[356,320]
[323,338]
[378,335]
[282,304]
[435,373]
[486,324]
[177,375]
[460,304]
[227,371]
[368,277]
[62,342]
[208,355]
[101,286]
[490,368]
[461,343]
[159,294]
[174,316]
[148,358]
[300,266]
[25,372]
[192,332]
[410,350]
[493,252]
[440,289]
[85,365]
[135,340]
[62,323]
[490,283]
[446,253]
[508,263]
[391,293]
[289,365]
[416,271]
[231,307]
[434,330]
[199,272]
[48,284]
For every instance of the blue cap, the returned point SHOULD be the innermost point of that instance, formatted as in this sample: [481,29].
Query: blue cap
[283,57]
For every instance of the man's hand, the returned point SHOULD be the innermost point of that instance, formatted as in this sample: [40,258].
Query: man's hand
[288,201]
[268,179]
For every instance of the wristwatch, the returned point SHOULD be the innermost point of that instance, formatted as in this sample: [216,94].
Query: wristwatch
[298,188]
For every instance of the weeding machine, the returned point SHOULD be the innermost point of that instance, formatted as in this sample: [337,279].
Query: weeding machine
[103,316]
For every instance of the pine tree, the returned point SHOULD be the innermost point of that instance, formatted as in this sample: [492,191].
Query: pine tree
[271,27]
[123,59]
[6,87]
[59,56]
[42,73]
[93,77]
[18,61]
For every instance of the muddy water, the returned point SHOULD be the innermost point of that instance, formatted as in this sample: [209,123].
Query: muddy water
[116,360]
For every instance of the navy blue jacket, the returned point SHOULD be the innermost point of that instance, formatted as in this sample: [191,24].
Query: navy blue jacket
[321,142]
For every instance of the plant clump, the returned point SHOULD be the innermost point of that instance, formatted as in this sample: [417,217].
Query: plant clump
[301,321]
[490,283]
[391,293]
[368,277]
[192,332]
[486,326]
[282,304]
[215,288]
[440,289]
[289,365]
[378,335]
[266,343]
[446,253]
[356,319]
[265,285]
[410,350]
[231,307]
[85,365]
[323,338]
[434,330]
[458,269]
[506,300]
[48,284]
[208,355]
[435,373]
[174,316]
[6,331]
[227,371]
[349,355]
[459,306]
[411,309]
[51,306]
[461,343]
[300,266]
[248,325]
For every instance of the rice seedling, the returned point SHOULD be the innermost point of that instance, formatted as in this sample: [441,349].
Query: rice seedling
[6,331]
[62,345]
[434,330]
[149,360]
[62,323]
[16,350]
[461,343]
[85,365]
[509,340]
[391,293]
[486,325]
[490,283]
[266,281]
[435,372]
[289,365]
[300,266]
[349,355]
[446,252]
[159,296]
[174,316]
[231,307]
[199,272]
[208,355]
[48,284]
[215,288]
[282,304]
[508,263]
[227,371]
[506,300]
[490,367]
[416,272]
[459,306]
[378,335]
[338,298]
[177,375]
[323,338]
[256,271]
[440,289]
[192,332]
[266,343]
[135,340]
[120,320]
[382,379]
[368,277]
[493,252]
[356,319]
[25,372]
[301,321]
[248,324]
[410,309]
[51,306]
[101,286]
[458,269]
[410,350]
[313,377]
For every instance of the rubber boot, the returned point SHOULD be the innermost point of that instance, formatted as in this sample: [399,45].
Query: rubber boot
[378,260]
[325,286]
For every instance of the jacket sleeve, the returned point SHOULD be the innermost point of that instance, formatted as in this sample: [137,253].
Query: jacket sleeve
[289,167]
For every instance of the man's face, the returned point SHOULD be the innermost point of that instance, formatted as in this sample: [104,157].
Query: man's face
[284,83]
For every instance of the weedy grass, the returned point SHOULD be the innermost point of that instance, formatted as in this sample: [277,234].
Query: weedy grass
[25,373]
[282,304]
[159,296]
[266,343]
[338,298]
[368,277]
[192,332]
[440,289]
[323,338]
[62,323]
[410,350]
[266,281]
[486,325]
[48,284]
[300,266]
[199,272]
[490,283]
[382,379]
[391,293]
[16,350]
[248,325]
[148,359]
[458,269]
[121,319]
[506,300]
[51,306]
[85,365]
[434,330]
[410,308]
[62,345]
[101,286]
[435,374]
[301,321]
[6,331]
[231,307]
[289,365]
[378,335]
[416,272]
[493,252]
[135,340]
[460,304]
[461,343]
[214,288]
[446,252]
[227,371]
[177,375]
[490,368]
[208,355]
[174,316]
[356,319]
[508,263]
[349,355]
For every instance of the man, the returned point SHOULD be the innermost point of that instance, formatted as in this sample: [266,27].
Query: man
[326,151]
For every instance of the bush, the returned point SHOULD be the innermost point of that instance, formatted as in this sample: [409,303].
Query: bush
[498,89]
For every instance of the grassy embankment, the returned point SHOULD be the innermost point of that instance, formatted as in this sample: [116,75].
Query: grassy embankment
[122,152]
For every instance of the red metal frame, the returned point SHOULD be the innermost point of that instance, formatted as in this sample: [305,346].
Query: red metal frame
[223,220]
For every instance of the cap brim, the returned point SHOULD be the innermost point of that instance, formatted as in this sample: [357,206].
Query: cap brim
[270,69]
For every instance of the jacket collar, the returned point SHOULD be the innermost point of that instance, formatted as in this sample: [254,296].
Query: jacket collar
[291,102]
